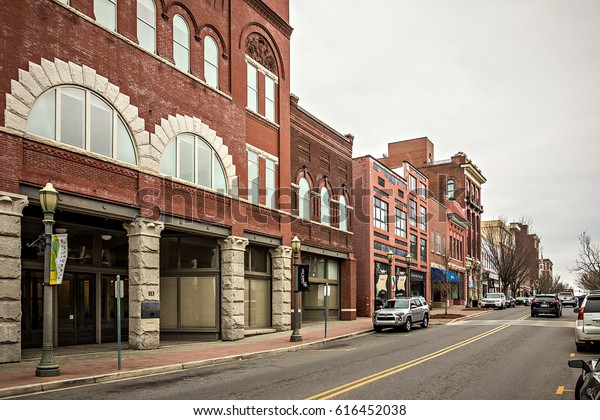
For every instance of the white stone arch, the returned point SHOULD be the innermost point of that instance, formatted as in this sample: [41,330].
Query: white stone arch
[40,78]
[174,125]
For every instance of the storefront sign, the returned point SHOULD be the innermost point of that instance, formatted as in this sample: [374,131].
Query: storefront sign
[150,310]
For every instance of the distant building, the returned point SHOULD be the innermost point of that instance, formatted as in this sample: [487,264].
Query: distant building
[457,179]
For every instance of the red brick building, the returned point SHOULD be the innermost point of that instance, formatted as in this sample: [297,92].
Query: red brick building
[165,127]
[457,179]
[322,208]
[390,216]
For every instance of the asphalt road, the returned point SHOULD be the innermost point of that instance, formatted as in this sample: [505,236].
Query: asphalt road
[501,355]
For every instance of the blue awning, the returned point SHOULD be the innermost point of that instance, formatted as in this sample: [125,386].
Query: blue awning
[438,274]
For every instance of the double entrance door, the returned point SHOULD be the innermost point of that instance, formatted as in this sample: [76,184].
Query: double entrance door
[85,309]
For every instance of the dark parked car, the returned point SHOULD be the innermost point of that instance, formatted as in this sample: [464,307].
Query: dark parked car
[510,302]
[546,304]
[522,300]
[588,383]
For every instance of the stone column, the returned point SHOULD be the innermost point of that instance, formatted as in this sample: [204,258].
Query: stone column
[11,211]
[144,281]
[281,267]
[232,287]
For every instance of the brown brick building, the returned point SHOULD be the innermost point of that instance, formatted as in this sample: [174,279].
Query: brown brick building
[322,207]
[165,127]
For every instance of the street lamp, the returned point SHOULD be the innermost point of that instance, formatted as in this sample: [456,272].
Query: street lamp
[296,249]
[408,261]
[48,366]
[390,258]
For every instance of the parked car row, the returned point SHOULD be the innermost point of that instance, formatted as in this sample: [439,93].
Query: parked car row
[587,333]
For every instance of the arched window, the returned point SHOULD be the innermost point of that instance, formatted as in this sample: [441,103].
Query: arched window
[450,189]
[146,24]
[343,214]
[181,43]
[211,62]
[304,199]
[190,158]
[324,206]
[105,12]
[81,118]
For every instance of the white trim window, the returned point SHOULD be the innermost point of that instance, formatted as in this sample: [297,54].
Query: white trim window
[252,91]
[190,158]
[270,98]
[343,214]
[325,205]
[146,25]
[450,189]
[304,199]
[211,62]
[270,183]
[105,12]
[80,118]
[181,43]
[412,212]
[253,177]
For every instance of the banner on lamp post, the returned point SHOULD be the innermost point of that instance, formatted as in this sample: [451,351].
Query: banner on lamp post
[59,252]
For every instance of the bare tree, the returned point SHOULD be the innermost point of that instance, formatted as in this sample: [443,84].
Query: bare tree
[557,285]
[511,255]
[444,284]
[587,265]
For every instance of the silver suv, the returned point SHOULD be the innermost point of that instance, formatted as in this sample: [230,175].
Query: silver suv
[567,298]
[494,300]
[402,313]
[587,325]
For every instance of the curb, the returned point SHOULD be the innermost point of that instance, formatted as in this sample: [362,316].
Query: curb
[110,377]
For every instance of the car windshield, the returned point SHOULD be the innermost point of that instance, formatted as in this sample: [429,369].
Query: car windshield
[397,304]
[493,295]
[565,294]
[545,298]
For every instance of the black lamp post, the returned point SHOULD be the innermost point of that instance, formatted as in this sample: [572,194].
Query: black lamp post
[390,258]
[48,366]
[296,249]
[408,261]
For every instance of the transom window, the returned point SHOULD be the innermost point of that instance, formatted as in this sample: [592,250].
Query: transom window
[80,118]
[190,158]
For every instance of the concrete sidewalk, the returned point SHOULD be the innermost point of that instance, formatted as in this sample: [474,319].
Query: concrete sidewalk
[97,363]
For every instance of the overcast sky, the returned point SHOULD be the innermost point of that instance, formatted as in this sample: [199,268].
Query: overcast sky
[515,84]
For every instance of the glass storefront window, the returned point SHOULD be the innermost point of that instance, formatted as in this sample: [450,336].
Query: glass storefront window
[168,302]
[198,252]
[197,298]
[257,287]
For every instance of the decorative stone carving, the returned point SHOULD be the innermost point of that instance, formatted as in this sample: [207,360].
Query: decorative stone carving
[259,50]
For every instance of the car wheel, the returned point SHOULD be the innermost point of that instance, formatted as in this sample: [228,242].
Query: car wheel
[377,328]
[407,325]
[425,322]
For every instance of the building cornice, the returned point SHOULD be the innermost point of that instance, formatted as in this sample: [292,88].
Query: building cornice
[273,18]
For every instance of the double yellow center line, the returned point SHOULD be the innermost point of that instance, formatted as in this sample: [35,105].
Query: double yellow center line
[399,368]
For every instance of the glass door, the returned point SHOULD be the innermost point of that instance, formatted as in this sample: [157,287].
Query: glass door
[76,309]
[32,302]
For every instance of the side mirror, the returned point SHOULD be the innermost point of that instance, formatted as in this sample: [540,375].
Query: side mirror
[580,364]
[413,305]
